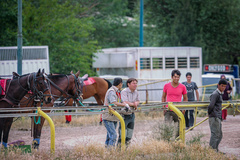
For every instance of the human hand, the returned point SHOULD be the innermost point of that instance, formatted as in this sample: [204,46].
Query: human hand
[135,104]
[127,107]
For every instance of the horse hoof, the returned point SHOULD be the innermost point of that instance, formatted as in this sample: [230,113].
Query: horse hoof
[35,145]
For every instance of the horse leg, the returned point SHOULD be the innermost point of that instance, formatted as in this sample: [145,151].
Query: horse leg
[2,120]
[37,133]
[7,126]
[98,99]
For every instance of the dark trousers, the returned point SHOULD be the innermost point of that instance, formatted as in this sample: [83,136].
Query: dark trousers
[189,118]
[216,132]
[129,126]
[170,117]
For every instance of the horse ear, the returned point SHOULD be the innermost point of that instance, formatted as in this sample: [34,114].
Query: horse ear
[38,73]
[15,74]
[71,72]
[77,74]
[43,71]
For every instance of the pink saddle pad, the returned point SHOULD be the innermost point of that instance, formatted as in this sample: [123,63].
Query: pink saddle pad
[3,83]
[89,81]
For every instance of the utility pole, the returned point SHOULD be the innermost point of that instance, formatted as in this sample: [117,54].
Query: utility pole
[141,24]
[19,39]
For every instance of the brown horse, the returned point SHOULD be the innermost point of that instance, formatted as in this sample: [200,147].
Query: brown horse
[60,86]
[65,87]
[17,87]
[97,89]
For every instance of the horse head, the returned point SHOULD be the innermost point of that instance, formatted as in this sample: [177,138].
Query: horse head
[76,87]
[40,87]
[18,87]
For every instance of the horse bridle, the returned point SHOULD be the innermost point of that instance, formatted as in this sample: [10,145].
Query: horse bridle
[77,94]
[38,95]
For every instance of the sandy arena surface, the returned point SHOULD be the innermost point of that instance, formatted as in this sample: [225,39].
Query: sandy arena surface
[69,136]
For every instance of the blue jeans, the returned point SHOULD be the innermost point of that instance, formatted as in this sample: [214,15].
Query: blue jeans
[189,121]
[111,133]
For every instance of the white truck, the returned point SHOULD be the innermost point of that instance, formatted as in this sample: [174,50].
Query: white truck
[33,58]
[212,73]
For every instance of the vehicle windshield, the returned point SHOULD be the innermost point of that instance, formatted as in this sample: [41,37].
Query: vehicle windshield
[209,81]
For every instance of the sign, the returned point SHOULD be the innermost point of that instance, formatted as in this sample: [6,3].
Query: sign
[217,68]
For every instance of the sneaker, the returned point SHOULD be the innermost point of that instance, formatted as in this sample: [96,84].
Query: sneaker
[191,129]
[221,152]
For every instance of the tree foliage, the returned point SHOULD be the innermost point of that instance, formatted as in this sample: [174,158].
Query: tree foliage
[114,28]
[75,29]
[59,25]
[8,19]
[212,25]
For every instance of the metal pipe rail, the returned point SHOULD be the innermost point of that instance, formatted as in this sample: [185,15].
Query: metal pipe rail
[175,106]
[153,82]
[146,107]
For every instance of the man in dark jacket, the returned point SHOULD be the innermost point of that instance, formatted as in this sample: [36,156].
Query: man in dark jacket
[215,114]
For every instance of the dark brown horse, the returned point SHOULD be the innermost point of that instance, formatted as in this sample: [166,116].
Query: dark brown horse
[17,87]
[97,89]
[65,87]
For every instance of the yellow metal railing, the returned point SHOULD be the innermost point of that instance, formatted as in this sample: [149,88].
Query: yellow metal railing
[182,120]
[204,89]
[40,112]
[215,84]
[182,131]
[123,133]
[52,127]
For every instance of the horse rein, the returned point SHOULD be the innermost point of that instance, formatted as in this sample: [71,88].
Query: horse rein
[37,94]
[78,93]
[75,96]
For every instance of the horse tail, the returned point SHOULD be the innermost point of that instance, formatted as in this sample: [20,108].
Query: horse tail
[109,83]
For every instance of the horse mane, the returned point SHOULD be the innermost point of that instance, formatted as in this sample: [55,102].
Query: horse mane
[56,75]
[109,83]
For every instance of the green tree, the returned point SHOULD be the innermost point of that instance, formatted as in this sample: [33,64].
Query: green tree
[212,25]
[8,19]
[220,31]
[113,24]
[61,26]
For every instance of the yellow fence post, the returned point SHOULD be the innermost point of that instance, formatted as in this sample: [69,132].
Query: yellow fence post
[203,95]
[122,127]
[181,122]
[44,115]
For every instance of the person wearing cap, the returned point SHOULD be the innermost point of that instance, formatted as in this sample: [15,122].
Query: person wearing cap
[215,114]
[191,87]
[225,97]
[113,97]
[130,96]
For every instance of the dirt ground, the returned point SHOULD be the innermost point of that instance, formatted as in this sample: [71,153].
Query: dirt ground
[69,136]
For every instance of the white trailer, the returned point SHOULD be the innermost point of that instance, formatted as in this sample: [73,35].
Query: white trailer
[33,58]
[152,63]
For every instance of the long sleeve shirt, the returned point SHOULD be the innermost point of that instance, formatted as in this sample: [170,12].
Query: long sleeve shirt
[215,106]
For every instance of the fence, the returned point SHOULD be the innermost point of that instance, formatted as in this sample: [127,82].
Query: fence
[85,111]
